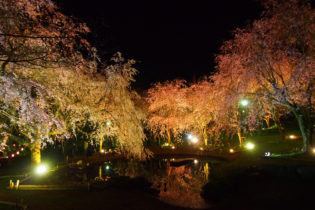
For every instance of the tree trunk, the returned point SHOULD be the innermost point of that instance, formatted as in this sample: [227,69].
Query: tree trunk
[276,119]
[305,131]
[205,136]
[85,146]
[267,120]
[168,137]
[239,136]
[35,154]
[101,144]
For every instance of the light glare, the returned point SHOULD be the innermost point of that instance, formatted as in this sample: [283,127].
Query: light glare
[41,169]
[250,146]
[194,140]
[244,102]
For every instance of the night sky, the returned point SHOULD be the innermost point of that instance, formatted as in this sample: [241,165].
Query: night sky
[169,39]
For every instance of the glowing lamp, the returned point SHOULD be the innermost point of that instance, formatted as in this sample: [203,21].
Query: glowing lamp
[22,149]
[196,161]
[313,150]
[231,150]
[194,140]
[17,152]
[267,154]
[292,137]
[244,102]
[250,146]
[12,155]
[107,167]
[107,123]
[41,169]
[189,136]
[201,148]
[102,151]
[173,147]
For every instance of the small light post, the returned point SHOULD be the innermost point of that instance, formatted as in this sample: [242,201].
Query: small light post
[244,103]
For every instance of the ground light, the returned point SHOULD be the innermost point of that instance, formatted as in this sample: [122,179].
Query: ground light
[292,137]
[41,169]
[250,146]
[313,150]
[231,150]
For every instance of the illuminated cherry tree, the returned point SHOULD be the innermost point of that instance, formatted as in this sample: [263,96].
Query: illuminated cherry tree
[167,108]
[201,102]
[30,114]
[105,96]
[273,59]
[34,35]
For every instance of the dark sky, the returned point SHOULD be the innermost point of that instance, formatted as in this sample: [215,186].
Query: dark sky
[169,39]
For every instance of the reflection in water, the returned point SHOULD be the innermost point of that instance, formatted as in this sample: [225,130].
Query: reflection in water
[182,185]
[179,181]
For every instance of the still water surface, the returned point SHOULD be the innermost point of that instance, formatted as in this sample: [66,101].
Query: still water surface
[179,181]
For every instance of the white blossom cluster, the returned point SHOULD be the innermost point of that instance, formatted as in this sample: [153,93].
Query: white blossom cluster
[32,114]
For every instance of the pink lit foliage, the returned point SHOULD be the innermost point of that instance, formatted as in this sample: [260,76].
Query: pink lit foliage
[167,108]
[34,33]
[273,59]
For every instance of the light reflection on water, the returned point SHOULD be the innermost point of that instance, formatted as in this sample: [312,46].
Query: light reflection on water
[179,181]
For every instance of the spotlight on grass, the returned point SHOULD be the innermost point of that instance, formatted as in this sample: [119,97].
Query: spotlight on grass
[250,146]
[41,169]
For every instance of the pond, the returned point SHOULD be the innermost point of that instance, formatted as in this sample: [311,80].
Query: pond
[177,181]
